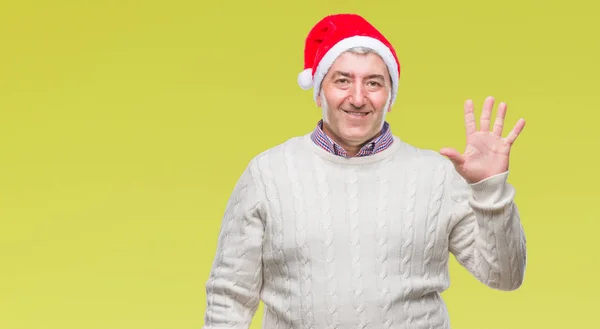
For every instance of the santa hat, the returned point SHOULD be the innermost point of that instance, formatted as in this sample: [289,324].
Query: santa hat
[334,35]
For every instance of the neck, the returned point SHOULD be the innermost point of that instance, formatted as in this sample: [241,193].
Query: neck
[351,149]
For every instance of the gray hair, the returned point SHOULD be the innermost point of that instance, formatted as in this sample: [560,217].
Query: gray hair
[361,50]
[364,51]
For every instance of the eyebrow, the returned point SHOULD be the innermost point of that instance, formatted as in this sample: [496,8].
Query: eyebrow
[348,75]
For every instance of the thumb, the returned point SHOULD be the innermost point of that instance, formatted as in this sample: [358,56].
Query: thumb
[453,155]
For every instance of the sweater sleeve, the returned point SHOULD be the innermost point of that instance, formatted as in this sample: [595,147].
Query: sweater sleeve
[235,280]
[487,237]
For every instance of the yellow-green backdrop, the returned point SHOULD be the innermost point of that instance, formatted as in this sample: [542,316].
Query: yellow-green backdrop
[125,124]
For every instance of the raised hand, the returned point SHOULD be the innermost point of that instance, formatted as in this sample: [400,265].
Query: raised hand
[486,153]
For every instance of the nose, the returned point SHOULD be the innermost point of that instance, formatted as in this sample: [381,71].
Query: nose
[358,97]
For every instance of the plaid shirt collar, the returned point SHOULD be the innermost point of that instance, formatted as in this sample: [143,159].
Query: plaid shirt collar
[380,143]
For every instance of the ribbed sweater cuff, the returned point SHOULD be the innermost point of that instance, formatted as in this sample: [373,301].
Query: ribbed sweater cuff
[492,190]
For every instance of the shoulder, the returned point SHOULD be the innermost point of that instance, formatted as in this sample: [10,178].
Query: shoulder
[291,146]
[278,156]
[426,158]
[437,169]
[432,165]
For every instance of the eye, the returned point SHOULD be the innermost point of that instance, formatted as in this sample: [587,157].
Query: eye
[374,84]
[341,80]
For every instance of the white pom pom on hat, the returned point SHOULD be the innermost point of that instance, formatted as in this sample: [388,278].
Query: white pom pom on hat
[305,79]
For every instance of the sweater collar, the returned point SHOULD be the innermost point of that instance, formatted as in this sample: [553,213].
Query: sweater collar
[374,146]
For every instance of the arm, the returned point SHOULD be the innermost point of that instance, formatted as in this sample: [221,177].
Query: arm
[487,237]
[486,234]
[234,284]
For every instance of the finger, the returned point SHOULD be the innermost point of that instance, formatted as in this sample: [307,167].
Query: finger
[486,114]
[514,133]
[453,155]
[470,124]
[499,122]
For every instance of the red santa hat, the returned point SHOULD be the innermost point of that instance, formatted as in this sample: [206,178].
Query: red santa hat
[334,35]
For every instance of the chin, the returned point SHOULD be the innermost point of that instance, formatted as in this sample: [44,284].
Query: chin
[358,133]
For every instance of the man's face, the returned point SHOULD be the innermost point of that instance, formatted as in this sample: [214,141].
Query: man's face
[355,97]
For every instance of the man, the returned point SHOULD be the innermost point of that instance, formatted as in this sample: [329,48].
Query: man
[349,226]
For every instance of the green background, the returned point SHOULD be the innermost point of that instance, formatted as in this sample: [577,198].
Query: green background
[125,124]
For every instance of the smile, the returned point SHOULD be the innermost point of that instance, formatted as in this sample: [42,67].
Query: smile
[357,113]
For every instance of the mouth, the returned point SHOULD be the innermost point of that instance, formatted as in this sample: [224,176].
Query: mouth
[357,114]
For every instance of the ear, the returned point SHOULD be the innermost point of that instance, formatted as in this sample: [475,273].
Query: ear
[319,100]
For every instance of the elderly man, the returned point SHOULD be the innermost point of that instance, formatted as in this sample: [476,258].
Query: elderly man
[349,226]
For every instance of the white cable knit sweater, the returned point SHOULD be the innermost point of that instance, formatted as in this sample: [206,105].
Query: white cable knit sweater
[350,243]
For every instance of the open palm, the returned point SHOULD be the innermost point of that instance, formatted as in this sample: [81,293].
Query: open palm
[486,153]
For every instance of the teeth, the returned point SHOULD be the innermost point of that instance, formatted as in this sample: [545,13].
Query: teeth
[356,113]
